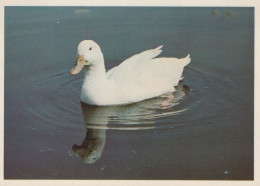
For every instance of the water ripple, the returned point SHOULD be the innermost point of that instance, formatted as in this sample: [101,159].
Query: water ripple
[191,104]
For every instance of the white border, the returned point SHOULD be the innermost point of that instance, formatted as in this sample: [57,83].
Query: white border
[130,3]
[198,3]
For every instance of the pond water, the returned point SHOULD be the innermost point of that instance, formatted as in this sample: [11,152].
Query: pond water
[205,133]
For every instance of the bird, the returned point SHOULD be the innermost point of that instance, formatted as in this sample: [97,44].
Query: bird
[140,77]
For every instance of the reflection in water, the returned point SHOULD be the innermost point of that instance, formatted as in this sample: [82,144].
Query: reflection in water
[92,146]
[134,117]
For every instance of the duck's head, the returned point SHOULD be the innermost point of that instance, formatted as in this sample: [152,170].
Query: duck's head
[89,54]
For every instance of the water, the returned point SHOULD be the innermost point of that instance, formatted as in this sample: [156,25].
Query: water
[205,132]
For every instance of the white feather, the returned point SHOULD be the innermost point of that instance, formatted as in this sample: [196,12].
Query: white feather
[140,77]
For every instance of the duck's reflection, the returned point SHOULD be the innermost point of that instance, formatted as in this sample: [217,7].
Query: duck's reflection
[92,146]
[97,119]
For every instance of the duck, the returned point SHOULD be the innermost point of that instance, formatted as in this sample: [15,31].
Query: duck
[140,77]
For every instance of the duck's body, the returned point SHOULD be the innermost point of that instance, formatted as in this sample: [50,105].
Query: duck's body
[138,78]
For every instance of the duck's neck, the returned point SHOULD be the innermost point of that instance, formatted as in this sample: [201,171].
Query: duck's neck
[95,84]
[96,71]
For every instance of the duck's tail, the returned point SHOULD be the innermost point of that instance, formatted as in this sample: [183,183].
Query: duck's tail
[186,60]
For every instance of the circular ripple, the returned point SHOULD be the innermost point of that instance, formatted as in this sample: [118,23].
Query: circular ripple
[60,104]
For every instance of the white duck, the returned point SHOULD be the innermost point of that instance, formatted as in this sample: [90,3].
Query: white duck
[138,78]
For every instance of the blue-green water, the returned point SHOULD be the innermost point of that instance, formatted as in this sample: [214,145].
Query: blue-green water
[206,132]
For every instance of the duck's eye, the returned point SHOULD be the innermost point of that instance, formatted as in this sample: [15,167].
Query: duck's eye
[90,48]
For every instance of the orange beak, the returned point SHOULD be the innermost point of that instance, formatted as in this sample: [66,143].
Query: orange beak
[78,66]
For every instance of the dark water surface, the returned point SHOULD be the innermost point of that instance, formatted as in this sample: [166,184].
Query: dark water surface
[206,132]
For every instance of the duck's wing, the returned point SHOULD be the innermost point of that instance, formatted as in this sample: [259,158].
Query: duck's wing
[142,76]
[133,63]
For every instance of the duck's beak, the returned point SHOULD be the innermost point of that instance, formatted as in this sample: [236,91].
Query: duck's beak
[78,66]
